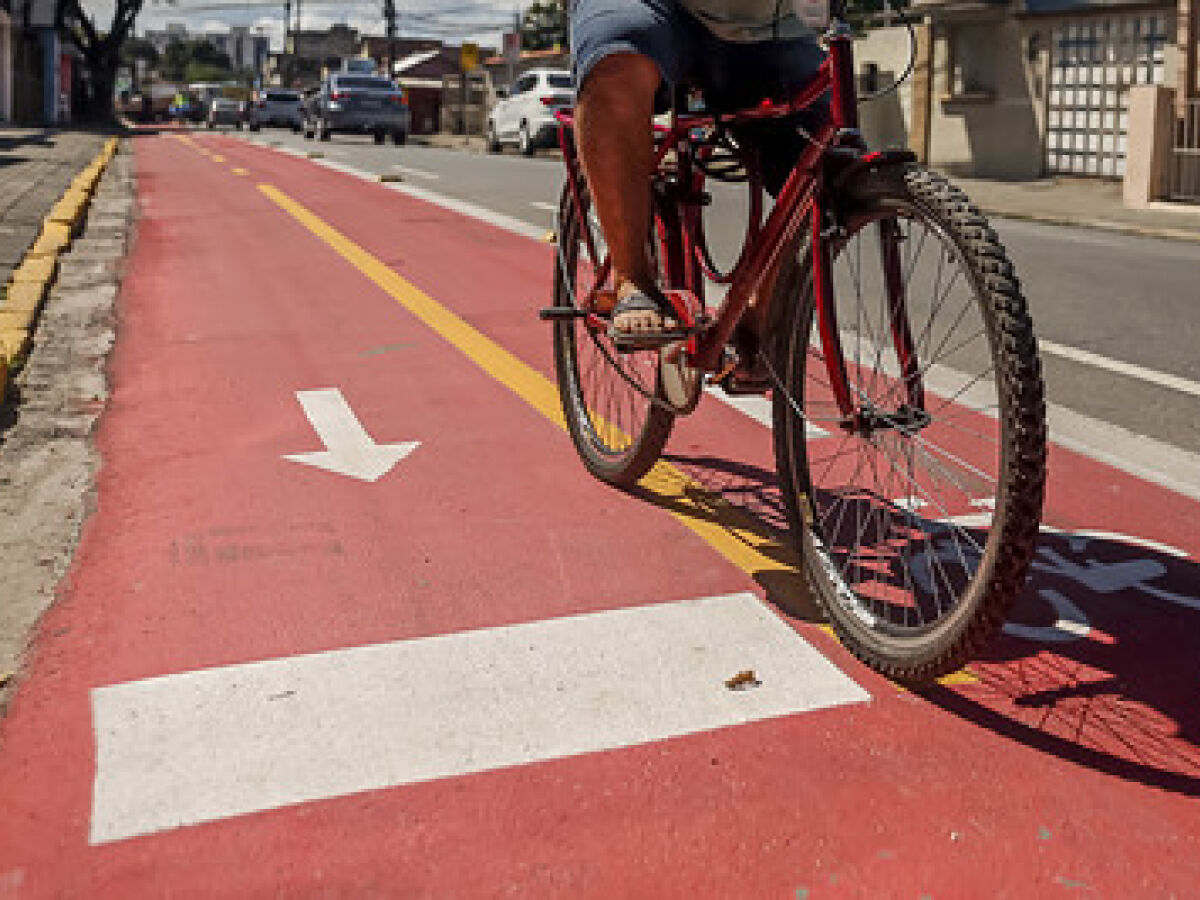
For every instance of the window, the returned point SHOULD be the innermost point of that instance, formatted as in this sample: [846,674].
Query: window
[971,72]
[524,83]
[561,81]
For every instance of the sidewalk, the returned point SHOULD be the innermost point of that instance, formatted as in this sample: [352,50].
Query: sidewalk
[1085,202]
[36,167]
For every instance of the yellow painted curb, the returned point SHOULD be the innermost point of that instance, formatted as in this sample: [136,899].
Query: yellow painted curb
[36,270]
[13,343]
[28,295]
[55,238]
[31,280]
[68,210]
[15,319]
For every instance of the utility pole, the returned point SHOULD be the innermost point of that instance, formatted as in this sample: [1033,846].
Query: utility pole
[389,16]
[286,58]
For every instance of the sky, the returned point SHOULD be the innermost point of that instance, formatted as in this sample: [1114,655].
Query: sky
[480,21]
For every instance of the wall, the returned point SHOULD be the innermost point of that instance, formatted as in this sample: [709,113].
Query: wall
[887,121]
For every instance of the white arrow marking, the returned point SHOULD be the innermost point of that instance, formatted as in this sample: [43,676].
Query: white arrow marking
[349,450]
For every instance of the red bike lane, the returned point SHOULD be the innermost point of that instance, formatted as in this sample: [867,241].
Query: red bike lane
[1067,762]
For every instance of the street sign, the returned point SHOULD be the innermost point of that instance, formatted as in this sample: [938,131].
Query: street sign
[469,57]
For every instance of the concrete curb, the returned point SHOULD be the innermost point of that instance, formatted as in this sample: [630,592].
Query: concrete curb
[1176,234]
[30,281]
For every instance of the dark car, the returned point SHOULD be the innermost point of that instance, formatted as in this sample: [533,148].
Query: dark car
[358,104]
[276,107]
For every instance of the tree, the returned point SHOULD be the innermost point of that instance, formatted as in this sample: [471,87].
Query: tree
[100,48]
[184,60]
[544,25]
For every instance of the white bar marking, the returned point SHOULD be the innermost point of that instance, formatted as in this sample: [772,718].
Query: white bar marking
[1162,379]
[349,450]
[200,746]
[417,173]
[539,204]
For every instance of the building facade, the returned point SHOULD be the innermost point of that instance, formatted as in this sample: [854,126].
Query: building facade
[36,69]
[1019,89]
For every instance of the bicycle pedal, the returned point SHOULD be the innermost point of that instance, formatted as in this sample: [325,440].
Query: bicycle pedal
[736,385]
[561,313]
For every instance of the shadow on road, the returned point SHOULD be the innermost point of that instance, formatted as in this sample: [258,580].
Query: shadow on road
[1099,665]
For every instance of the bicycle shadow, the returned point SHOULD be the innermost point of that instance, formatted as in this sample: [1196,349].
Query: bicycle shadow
[1099,664]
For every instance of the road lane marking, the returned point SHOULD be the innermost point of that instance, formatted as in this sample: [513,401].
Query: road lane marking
[200,746]
[759,408]
[729,529]
[538,204]
[238,170]
[1161,379]
[417,173]
[1152,460]
[349,449]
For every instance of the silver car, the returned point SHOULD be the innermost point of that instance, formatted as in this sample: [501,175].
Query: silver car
[360,104]
[223,111]
[276,107]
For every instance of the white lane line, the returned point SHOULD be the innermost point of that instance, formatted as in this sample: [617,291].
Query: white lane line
[759,409]
[417,173]
[538,204]
[1155,461]
[1162,379]
[200,746]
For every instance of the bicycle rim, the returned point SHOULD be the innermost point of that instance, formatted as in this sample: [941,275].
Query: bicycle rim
[612,401]
[917,525]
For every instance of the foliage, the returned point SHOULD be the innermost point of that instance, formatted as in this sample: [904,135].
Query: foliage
[544,25]
[183,57]
[136,48]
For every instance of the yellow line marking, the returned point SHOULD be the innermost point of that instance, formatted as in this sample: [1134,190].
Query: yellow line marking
[731,530]
[240,171]
[218,158]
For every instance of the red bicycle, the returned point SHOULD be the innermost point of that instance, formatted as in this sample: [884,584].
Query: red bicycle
[909,419]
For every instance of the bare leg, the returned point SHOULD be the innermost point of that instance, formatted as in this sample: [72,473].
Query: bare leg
[612,123]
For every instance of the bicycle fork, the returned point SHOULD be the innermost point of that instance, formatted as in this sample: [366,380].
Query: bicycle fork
[857,413]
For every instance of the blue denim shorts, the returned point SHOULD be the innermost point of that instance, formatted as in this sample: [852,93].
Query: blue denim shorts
[732,75]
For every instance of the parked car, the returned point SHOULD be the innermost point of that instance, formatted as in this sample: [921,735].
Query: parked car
[223,111]
[358,104]
[276,107]
[525,115]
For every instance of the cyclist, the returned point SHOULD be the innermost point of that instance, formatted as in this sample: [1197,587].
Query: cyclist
[627,54]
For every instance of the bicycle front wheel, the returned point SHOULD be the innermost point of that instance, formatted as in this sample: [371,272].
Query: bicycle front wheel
[613,402]
[917,515]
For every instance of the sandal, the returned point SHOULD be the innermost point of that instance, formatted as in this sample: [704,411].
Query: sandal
[650,339]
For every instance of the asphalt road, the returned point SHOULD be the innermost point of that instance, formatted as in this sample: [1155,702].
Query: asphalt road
[1124,299]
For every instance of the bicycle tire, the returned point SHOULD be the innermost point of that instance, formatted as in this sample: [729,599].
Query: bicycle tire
[613,402]
[959,538]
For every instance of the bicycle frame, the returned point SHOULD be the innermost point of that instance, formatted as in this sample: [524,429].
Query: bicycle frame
[805,196]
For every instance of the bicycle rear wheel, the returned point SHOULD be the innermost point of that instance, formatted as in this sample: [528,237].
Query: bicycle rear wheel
[916,519]
[613,402]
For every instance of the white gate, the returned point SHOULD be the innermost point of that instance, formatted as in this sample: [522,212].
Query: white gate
[1093,62]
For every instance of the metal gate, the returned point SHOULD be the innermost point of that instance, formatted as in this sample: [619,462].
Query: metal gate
[1093,63]
[1183,173]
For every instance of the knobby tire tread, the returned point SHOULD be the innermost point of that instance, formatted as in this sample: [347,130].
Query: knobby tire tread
[1024,459]
[646,447]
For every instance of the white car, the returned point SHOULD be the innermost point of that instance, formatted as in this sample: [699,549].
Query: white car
[525,115]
